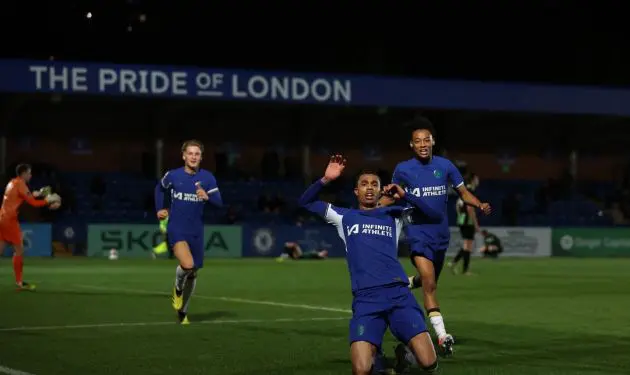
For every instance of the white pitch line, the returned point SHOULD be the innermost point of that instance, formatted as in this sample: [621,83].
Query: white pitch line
[12,371]
[228,299]
[147,324]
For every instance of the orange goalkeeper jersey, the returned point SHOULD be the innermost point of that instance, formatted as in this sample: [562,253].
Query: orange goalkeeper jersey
[15,194]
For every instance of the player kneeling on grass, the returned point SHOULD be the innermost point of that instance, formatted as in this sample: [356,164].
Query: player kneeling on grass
[16,193]
[190,188]
[293,250]
[381,297]
[492,246]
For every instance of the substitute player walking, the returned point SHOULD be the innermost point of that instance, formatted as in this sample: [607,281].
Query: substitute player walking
[16,193]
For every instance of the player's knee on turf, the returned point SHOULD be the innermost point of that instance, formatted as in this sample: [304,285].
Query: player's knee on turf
[362,356]
[432,368]
[422,348]
[362,367]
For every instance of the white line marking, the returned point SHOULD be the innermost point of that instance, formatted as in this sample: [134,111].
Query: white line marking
[227,299]
[173,323]
[11,371]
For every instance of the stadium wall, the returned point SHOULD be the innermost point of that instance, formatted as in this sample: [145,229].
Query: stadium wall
[98,156]
[235,241]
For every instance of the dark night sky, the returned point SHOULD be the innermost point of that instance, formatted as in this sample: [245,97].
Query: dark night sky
[551,44]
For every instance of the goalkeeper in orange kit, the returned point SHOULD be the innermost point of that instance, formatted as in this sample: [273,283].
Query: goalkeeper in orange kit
[16,193]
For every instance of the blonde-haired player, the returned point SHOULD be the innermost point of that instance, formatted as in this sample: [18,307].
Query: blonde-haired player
[190,187]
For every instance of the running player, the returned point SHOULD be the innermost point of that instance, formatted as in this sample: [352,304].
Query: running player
[16,193]
[468,226]
[381,297]
[190,188]
[427,177]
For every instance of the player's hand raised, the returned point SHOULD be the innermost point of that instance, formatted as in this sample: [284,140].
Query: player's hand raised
[395,191]
[162,214]
[201,194]
[485,208]
[335,167]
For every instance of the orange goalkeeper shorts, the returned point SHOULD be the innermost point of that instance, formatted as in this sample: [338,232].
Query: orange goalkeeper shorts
[10,232]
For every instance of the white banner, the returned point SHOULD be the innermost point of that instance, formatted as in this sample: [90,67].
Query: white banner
[516,241]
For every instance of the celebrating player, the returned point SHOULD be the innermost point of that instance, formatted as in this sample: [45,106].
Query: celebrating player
[190,187]
[426,176]
[468,226]
[381,297]
[16,193]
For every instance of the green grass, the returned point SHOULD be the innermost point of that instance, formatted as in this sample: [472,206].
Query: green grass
[516,317]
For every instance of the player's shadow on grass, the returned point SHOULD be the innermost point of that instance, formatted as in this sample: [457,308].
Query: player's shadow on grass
[211,316]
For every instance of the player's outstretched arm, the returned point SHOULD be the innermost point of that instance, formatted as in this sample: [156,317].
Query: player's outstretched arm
[331,214]
[397,192]
[35,202]
[28,197]
[309,199]
[470,199]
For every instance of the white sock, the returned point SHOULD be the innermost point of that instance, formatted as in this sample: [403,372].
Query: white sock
[438,325]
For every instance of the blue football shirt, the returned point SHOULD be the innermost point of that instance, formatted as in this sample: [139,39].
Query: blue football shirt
[428,182]
[186,209]
[370,238]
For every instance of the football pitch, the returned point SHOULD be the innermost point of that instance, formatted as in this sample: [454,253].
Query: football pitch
[514,317]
